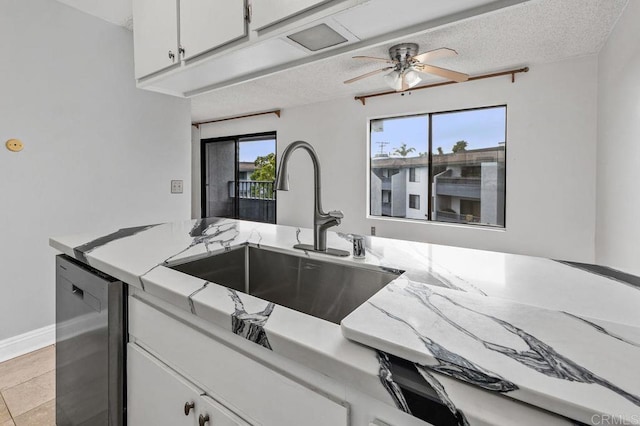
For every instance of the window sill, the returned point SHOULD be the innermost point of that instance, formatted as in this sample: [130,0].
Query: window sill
[487,228]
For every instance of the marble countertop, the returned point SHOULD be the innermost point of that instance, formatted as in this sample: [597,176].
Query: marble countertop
[532,329]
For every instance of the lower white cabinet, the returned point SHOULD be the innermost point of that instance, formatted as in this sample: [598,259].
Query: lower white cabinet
[156,395]
[253,391]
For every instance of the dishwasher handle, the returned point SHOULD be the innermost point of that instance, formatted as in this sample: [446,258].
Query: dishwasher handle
[77,291]
[80,294]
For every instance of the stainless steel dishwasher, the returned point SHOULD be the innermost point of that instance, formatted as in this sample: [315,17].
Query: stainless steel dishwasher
[90,346]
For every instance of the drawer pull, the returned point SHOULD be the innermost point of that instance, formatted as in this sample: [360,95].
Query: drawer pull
[187,407]
[203,420]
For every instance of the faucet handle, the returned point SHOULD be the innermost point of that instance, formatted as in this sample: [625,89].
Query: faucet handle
[336,214]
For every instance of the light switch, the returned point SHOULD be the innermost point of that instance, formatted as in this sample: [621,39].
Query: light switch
[176,187]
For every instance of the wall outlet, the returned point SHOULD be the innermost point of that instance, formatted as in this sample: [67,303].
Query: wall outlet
[373,231]
[176,187]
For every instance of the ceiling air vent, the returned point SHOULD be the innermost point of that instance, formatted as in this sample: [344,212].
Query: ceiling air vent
[317,38]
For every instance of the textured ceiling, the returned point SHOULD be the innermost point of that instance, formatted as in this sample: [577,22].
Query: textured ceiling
[529,33]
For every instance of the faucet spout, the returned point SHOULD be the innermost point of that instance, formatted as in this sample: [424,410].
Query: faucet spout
[321,220]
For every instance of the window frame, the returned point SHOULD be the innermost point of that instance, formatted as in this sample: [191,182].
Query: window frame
[416,204]
[428,220]
[416,177]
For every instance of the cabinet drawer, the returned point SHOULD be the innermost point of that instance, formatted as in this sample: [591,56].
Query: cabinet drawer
[249,388]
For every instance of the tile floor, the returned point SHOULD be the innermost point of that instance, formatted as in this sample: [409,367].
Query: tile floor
[27,389]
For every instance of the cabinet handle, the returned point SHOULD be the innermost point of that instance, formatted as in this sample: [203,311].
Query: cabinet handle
[202,420]
[181,51]
[172,56]
[187,407]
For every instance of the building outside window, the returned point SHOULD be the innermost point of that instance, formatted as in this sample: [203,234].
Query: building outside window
[455,160]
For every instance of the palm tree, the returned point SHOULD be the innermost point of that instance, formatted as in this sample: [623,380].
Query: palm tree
[460,146]
[403,151]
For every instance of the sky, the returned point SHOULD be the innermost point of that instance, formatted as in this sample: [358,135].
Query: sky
[481,128]
[249,151]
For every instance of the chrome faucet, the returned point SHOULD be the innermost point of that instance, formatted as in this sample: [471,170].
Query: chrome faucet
[321,220]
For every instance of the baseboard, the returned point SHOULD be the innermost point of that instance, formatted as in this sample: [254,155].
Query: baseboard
[27,342]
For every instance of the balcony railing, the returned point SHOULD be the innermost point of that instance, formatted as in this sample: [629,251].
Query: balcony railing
[253,189]
[460,180]
[467,187]
[443,216]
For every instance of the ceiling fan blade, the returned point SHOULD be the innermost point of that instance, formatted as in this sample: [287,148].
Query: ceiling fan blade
[443,52]
[442,72]
[369,74]
[389,61]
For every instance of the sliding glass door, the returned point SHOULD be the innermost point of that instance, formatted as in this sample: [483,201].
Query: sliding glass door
[238,175]
[219,159]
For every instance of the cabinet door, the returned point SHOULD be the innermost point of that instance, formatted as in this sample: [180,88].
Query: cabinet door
[251,389]
[268,12]
[207,24]
[156,395]
[155,35]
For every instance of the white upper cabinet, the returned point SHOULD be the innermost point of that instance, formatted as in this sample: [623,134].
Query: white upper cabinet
[207,24]
[189,47]
[269,12]
[155,32]
[168,31]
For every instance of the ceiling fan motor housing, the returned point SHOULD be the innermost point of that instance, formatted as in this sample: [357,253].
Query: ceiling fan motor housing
[403,52]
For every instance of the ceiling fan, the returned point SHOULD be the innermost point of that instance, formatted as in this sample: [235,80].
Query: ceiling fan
[406,65]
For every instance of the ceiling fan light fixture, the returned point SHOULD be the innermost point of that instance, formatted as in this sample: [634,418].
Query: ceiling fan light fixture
[393,80]
[412,77]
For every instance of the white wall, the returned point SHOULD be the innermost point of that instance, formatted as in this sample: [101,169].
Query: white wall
[99,154]
[618,166]
[551,148]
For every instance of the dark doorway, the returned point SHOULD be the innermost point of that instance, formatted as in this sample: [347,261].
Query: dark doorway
[238,176]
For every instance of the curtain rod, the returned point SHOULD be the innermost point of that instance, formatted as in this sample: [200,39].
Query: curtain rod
[199,123]
[512,73]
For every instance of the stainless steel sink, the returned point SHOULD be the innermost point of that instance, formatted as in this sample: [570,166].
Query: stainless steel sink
[322,289]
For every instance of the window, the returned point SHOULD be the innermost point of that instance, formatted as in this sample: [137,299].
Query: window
[460,156]
[413,176]
[414,201]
